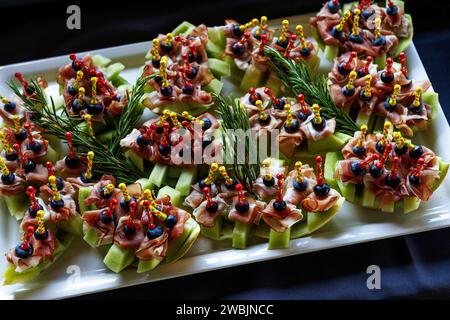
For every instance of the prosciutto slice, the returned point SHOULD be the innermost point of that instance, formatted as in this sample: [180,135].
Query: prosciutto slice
[45,248]
[345,174]
[208,219]
[66,212]
[253,214]
[132,241]
[30,154]
[424,190]
[347,151]
[313,134]
[96,198]
[17,187]
[63,170]
[289,142]
[68,190]
[182,216]
[315,203]
[294,196]
[104,231]
[154,248]
[384,193]
[196,197]
[280,221]
[263,191]
[22,264]
[38,176]
[251,108]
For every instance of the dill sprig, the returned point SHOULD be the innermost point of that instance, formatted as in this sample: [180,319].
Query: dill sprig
[297,78]
[234,117]
[57,123]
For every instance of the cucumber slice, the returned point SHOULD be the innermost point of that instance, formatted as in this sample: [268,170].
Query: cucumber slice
[253,77]
[274,83]
[73,226]
[175,196]
[318,220]
[159,174]
[113,71]
[185,181]
[174,172]
[365,119]
[179,247]
[100,61]
[380,61]
[241,235]
[182,28]
[348,190]
[279,240]
[368,199]
[217,36]
[331,159]
[410,204]
[83,193]
[106,137]
[213,233]
[91,237]
[17,205]
[236,73]
[443,169]
[388,207]
[404,43]
[136,159]
[147,265]
[219,68]
[171,182]
[432,99]
[58,99]
[331,52]
[214,86]
[50,155]
[118,258]
[145,184]
[330,143]
[213,51]
[343,137]
[11,276]
[316,35]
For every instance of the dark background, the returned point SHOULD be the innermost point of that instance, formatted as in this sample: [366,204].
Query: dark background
[412,266]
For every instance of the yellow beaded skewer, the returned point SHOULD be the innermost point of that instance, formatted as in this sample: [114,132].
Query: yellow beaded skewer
[362,136]
[418,96]
[88,120]
[355,27]
[393,98]
[262,113]
[316,111]
[351,80]
[377,27]
[126,196]
[80,75]
[212,171]
[174,119]
[55,192]
[301,36]
[298,171]
[94,99]
[289,117]
[168,39]
[108,189]
[17,125]
[4,168]
[262,23]
[5,143]
[267,174]
[155,50]
[344,19]
[89,158]
[223,172]
[367,88]
[284,29]
[41,222]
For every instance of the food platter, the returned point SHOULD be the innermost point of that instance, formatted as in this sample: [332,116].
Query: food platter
[81,271]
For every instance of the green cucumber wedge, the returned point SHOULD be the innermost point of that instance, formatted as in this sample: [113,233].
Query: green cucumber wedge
[348,190]
[137,160]
[331,52]
[159,174]
[214,232]
[404,43]
[432,99]
[279,240]
[331,159]
[241,235]
[253,77]
[178,248]
[83,193]
[217,36]
[100,61]
[185,180]
[113,71]
[213,51]
[145,184]
[73,226]
[330,143]
[214,86]
[147,265]
[118,258]
[175,196]
[219,68]
[183,28]
[17,205]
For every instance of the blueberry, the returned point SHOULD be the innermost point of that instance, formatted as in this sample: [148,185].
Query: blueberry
[106,219]
[29,166]
[11,156]
[29,90]
[366,14]
[392,182]
[392,11]
[387,78]
[279,205]
[380,41]
[242,207]
[72,162]
[322,190]
[143,143]
[24,253]
[357,170]
[416,152]
[188,90]
[9,106]
[164,150]
[415,109]
[156,63]
[356,38]
[206,124]
[59,183]
[269,183]
[348,92]
[8,179]
[258,36]
[238,49]
[303,116]
[192,74]
[282,44]
[359,151]
[415,179]
[319,126]
[166,47]
[129,230]
[166,91]
[118,97]
[305,52]
[300,186]
[265,121]
[56,204]
[105,195]
[213,207]
[280,104]
[237,32]
[342,70]
[379,146]
[363,96]
[72,90]
[333,7]
[41,236]
[77,106]
[95,108]
[252,100]
[125,205]
[390,107]
[21,136]
[33,212]
[36,147]
[154,233]
[293,128]
[76,66]
[362,72]
[194,58]
[401,151]
[170,221]
[375,171]
[231,185]
[336,33]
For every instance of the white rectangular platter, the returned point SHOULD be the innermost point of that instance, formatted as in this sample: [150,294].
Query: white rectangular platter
[352,225]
